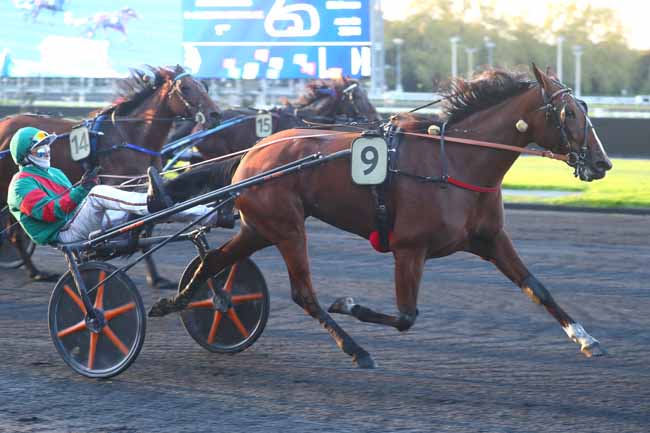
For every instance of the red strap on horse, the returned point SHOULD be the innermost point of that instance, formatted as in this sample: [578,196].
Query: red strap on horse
[470,187]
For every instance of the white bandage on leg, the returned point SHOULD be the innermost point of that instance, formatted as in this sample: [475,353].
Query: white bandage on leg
[577,333]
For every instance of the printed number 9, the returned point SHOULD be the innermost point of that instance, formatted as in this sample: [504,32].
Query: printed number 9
[370,156]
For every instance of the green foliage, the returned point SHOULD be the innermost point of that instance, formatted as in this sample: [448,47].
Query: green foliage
[609,67]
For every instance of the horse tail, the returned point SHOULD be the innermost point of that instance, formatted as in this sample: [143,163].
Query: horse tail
[207,177]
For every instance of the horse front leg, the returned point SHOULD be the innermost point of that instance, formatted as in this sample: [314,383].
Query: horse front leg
[409,264]
[294,252]
[502,253]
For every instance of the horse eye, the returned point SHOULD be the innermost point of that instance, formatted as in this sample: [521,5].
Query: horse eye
[185,88]
[570,114]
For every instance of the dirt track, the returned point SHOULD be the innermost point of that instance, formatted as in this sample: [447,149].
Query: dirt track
[481,357]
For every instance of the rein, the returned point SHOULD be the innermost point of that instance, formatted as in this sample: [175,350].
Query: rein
[542,153]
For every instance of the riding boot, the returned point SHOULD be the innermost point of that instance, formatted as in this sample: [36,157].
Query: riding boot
[157,197]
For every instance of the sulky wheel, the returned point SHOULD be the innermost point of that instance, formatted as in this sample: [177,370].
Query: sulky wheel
[233,320]
[9,257]
[105,347]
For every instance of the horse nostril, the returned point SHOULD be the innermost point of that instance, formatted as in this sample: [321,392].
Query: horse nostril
[603,165]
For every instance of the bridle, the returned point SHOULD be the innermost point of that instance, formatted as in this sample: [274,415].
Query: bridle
[348,93]
[576,158]
[193,111]
[175,91]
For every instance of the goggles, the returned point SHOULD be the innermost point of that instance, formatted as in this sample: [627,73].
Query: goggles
[42,138]
[42,151]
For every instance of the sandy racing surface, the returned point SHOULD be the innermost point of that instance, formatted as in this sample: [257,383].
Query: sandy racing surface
[481,357]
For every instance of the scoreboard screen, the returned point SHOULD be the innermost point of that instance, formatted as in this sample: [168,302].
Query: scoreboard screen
[253,39]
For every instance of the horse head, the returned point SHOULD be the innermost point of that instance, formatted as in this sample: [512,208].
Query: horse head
[127,13]
[353,101]
[561,124]
[187,97]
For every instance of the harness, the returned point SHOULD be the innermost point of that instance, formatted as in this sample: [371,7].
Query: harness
[393,134]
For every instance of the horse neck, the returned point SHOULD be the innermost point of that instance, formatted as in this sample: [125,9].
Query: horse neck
[486,166]
[151,134]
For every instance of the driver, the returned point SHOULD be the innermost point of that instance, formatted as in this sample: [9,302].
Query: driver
[50,209]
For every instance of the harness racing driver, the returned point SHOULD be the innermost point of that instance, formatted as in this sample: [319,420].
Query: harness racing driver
[50,209]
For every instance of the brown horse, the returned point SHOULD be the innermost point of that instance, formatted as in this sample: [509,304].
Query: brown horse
[429,217]
[331,101]
[141,118]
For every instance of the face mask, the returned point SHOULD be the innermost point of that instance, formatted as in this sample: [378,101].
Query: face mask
[43,163]
[40,156]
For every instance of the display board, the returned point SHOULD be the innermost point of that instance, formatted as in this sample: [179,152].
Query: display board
[240,39]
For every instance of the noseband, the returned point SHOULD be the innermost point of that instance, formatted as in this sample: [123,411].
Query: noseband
[576,159]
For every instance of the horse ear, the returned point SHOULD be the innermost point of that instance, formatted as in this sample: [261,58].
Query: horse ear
[541,78]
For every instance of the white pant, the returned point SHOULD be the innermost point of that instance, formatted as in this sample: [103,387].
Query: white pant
[105,206]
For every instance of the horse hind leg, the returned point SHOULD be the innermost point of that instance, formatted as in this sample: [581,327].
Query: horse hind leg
[294,252]
[409,264]
[18,239]
[242,245]
[501,252]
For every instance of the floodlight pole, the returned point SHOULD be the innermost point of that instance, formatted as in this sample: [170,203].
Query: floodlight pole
[377,77]
[454,55]
[558,62]
[489,46]
[577,51]
[398,64]
[470,61]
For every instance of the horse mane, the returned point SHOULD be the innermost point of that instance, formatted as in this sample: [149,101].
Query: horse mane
[466,97]
[134,89]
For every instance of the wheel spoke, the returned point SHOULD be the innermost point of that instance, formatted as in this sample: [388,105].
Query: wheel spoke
[206,303]
[235,319]
[99,299]
[231,279]
[92,349]
[238,299]
[111,314]
[72,329]
[75,298]
[215,325]
[115,340]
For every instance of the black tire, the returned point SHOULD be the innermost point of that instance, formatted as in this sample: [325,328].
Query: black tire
[250,306]
[9,257]
[125,319]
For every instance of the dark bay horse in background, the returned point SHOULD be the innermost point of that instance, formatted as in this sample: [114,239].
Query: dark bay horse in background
[429,218]
[141,117]
[323,101]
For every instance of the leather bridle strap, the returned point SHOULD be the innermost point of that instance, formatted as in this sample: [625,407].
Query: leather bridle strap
[543,153]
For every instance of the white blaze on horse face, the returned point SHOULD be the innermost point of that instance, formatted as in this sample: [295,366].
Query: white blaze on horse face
[577,333]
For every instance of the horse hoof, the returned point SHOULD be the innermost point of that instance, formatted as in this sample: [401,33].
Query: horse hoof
[163,307]
[45,277]
[365,361]
[163,284]
[342,306]
[593,349]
